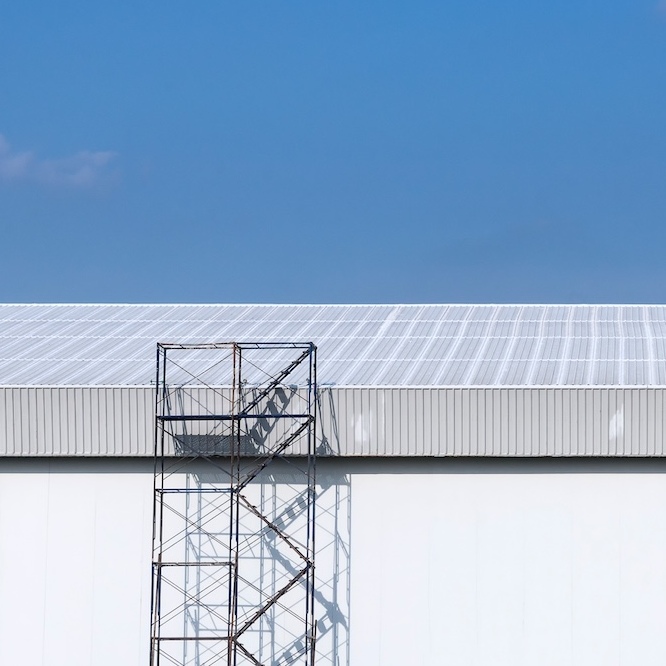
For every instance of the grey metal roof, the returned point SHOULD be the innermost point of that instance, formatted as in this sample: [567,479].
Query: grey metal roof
[359,345]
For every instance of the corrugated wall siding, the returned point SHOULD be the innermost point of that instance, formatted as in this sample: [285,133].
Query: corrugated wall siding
[65,421]
[118,421]
[496,421]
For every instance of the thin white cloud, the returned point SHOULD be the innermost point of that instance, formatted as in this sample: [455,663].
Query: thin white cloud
[84,169]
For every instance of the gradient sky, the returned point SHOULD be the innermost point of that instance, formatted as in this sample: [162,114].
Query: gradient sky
[319,151]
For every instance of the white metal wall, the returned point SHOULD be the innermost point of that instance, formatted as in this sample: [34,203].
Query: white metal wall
[484,563]
[508,569]
[75,561]
[115,421]
[74,566]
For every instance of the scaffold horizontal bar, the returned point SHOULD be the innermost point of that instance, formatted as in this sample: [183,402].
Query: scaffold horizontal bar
[193,564]
[198,491]
[229,417]
[237,345]
[159,639]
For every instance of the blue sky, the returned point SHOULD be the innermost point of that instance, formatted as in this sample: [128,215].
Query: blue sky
[325,151]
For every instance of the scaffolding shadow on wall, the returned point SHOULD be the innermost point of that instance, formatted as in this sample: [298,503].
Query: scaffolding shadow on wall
[234,508]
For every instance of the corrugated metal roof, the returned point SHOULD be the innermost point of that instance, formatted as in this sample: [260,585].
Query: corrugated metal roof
[359,345]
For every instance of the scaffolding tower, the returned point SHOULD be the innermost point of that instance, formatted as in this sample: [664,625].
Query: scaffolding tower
[234,505]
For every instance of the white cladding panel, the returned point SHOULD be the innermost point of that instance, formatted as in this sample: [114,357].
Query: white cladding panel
[118,421]
[75,561]
[491,563]
[74,566]
[508,569]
